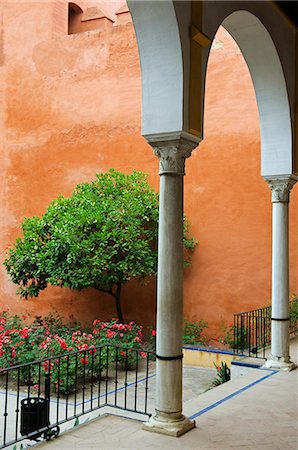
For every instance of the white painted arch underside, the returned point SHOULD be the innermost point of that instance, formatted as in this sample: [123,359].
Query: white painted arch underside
[270,87]
[161,58]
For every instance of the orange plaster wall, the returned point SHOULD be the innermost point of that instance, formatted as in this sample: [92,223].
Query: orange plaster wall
[72,108]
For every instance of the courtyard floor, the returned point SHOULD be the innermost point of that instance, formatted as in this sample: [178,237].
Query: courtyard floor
[255,411]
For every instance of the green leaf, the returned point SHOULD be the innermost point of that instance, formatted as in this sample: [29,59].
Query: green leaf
[104,234]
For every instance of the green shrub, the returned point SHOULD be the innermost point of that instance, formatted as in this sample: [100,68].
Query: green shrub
[192,332]
[55,344]
[235,338]
[223,374]
[294,314]
[101,237]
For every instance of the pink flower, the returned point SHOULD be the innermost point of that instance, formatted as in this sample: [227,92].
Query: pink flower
[83,346]
[47,366]
[110,334]
[153,333]
[25,332]
[36,386]
[84,360]
[143,354]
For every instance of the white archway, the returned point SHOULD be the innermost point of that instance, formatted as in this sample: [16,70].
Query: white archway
[174,40]
[277,161]
[161,66]
[267,75]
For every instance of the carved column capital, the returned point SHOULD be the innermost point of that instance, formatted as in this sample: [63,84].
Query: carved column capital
[172,149]
[281,187]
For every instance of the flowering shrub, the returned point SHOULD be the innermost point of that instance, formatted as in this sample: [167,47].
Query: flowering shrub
[50,338]
[223,374]
[235,338]
[128,335]
[192,332]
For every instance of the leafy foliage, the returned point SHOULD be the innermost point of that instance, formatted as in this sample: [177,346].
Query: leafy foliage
[294,311]
[192,332]
[223,374]
[102,236]
[234,337]
[54,342]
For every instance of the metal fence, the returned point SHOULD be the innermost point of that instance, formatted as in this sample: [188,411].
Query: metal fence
[38,397]
[252,330]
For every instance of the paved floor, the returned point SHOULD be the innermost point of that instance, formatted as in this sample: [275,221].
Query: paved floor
[196,380]
[255,411]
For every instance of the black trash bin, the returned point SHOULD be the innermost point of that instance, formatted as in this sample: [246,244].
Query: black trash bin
[34,415]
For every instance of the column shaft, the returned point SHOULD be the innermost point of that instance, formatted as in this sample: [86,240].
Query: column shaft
[280,342]
[168,419]
[280,281]
[169,295]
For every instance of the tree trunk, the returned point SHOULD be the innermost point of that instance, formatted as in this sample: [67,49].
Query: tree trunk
[118,304]
[117,297]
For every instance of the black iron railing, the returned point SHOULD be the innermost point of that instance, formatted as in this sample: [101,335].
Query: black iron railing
[38,397]
[252,330]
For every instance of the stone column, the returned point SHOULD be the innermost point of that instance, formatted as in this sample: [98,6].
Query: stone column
[280,345]
[168,418]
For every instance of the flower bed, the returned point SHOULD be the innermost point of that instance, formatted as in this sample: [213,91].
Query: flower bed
[48,337]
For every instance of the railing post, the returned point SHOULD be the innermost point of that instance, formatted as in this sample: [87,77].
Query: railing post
[47,386]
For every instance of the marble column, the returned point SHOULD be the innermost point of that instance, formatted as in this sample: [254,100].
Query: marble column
[168,418]
[280,346]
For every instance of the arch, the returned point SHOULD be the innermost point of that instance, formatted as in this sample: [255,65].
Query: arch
[161,66]
[74,18]
[162,31]
[75,8]
[270,87]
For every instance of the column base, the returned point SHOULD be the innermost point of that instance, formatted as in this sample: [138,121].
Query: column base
[170,426]
[279,363]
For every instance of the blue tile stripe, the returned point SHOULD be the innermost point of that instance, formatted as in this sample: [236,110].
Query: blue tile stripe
[234,394]
[62,402]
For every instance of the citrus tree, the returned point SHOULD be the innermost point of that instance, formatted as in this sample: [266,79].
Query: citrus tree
[101,236]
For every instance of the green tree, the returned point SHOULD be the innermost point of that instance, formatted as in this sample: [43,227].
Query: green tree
[101,236]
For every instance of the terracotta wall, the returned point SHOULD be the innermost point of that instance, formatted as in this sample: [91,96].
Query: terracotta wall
[71,108]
